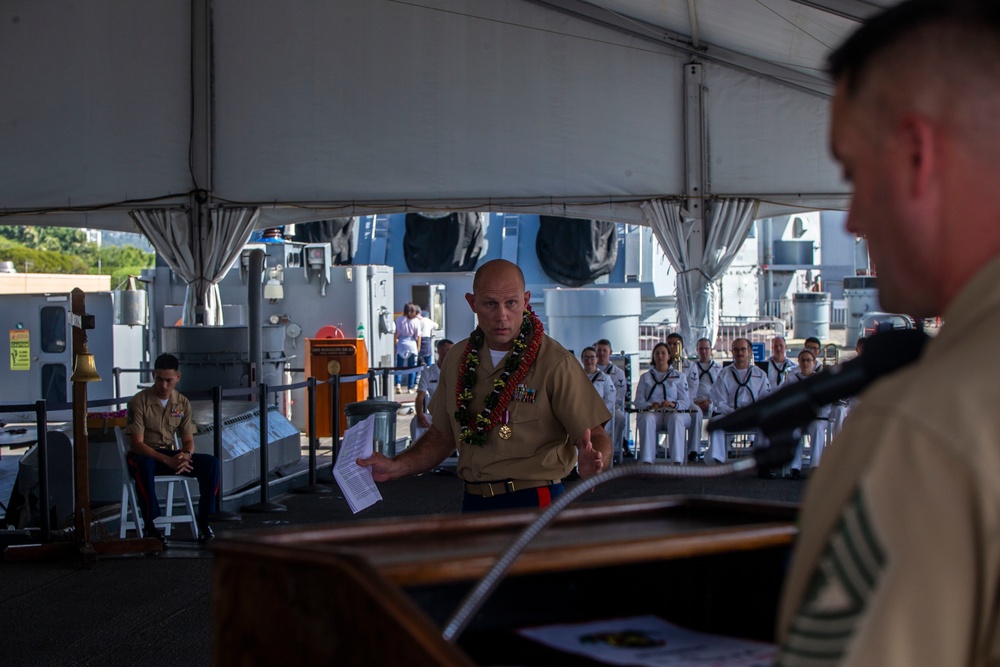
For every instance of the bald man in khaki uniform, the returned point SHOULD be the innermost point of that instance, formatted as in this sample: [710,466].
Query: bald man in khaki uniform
[898,562]
[553,420]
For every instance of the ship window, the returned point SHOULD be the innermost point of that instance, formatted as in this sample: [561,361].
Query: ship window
[53,329]
[54,383]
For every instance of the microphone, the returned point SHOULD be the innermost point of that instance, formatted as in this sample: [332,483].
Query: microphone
[798,404]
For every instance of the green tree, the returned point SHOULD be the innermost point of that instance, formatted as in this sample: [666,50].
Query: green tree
[120,262]
[66,250]
[33,260]
[57,239]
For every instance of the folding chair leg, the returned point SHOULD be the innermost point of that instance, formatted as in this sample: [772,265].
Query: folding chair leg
[139,528]
[190,509]
[169,509]
[123,515]
[129,504]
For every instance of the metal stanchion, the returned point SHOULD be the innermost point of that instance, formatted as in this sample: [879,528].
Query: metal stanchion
[312,487]
[41,428]
[117,372]
[335,391]
[265,505]
[335,418]
[220,513]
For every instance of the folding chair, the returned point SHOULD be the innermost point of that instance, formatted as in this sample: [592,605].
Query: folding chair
[130,501]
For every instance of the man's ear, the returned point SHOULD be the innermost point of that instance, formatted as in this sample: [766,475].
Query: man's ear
[527,298]
[916,139]
[471,298]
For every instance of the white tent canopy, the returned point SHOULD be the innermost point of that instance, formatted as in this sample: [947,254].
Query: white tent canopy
[310,109]
[360,105]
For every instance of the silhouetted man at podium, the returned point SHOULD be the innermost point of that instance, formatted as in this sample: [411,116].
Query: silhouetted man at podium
[516,404]
[898,560]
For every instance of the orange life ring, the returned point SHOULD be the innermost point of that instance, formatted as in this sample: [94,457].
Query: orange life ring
[330,331]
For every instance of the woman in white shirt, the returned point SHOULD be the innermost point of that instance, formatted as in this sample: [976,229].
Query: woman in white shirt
[407,339]
[816,430]
[661,388]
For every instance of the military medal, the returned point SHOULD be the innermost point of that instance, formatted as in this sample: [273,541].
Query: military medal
[505,431]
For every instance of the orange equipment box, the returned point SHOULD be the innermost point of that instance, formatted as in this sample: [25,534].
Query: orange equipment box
[326,357]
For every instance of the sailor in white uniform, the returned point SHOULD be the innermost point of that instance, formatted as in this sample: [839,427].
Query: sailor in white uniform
[602,383]
[815,345]
[675,343]
[840,409]
[816,429]
[661,388]
[701,377]
[779,365]
[426,384]
[738,385]
[617,376]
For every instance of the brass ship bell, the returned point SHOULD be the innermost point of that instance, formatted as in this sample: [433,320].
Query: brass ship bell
[84,368]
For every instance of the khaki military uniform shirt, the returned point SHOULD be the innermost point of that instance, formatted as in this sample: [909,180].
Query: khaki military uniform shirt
[559,404]
[898,562]
[158,424]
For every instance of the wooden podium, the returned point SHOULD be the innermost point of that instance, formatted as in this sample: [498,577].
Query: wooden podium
[378,592]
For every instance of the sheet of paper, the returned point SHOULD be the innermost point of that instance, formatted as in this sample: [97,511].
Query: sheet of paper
[650,641]
[356,482]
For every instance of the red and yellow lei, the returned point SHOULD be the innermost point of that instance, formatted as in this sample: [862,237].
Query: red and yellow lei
[522,356]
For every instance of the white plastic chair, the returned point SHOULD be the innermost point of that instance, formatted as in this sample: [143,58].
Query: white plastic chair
[131,502]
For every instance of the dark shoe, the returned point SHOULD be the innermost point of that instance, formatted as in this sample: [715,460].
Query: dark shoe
[692,457]
[151,530]
[795,473]
[766,474]
[205,533]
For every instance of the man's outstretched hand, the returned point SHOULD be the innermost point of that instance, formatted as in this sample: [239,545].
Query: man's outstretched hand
[589,461]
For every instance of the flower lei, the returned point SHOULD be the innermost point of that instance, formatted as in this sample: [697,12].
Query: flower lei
[522,356]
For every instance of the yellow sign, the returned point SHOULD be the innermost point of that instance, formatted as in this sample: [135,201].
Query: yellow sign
[20,350]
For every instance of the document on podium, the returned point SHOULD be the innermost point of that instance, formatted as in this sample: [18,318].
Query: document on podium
[355,481]
[650,641]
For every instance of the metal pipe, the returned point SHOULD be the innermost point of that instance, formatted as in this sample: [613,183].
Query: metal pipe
[220,512]
[255,319]
[264,491]
[312,486]
[335,416]
[264,505]
[311,399]
[693,19]
[41,429]
[767,278]
[217,440]
[370,324]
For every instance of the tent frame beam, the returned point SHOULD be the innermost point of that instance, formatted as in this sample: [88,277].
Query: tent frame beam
[795,79]
[853,10]
[695,161]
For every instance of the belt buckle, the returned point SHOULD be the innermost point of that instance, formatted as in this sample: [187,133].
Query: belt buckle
[488,486]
